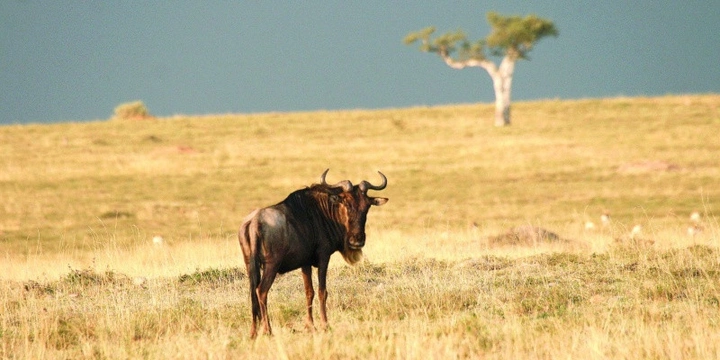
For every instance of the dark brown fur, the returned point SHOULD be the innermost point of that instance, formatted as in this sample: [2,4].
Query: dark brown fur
[302,232]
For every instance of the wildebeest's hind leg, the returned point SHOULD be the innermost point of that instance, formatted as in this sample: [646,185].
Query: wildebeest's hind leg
[309,295]
[268,277]
[248,237]
[254,276]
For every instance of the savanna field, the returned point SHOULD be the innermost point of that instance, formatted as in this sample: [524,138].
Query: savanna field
[118,238]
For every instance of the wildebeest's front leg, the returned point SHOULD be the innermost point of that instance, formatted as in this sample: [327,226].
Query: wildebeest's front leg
[322,289]
[309,295]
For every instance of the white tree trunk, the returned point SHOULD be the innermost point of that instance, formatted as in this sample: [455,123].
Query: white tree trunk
[502,83]
[501,77]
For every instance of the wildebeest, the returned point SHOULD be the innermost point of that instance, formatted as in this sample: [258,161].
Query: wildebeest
[303,231]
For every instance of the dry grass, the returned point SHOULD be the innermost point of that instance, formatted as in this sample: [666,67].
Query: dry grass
[82,202]
[629,302]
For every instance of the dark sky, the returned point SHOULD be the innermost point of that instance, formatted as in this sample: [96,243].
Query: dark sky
[77,60]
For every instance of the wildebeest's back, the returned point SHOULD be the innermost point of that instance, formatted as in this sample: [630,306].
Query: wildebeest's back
[284,237]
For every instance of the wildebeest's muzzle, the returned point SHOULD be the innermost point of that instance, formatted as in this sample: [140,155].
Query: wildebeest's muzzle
[356,241]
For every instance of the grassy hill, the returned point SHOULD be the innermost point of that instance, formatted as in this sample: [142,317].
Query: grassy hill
[91,196]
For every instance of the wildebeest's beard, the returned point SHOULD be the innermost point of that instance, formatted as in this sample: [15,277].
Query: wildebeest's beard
[352,255]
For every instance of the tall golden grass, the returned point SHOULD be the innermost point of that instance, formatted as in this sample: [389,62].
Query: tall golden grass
[81,203]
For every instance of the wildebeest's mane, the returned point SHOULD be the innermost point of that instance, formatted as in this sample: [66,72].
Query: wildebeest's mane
[311,202]
[323,188]
[316,193]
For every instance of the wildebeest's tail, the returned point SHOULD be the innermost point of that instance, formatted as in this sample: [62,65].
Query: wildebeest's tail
[249,237]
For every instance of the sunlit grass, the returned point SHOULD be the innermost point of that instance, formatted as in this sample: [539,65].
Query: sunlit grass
[180,175]
[81,204]
[628,302]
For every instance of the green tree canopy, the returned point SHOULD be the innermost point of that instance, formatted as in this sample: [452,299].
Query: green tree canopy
[513,34]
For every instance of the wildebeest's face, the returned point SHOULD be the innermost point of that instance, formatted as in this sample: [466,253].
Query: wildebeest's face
[353,209]
[352,204]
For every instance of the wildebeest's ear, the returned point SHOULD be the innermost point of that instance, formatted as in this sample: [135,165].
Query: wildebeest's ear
[378,201]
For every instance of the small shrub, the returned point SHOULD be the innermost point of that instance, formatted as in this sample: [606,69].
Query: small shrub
[38,288]
[135,110]
[213,276]
[88,277]
[524,235]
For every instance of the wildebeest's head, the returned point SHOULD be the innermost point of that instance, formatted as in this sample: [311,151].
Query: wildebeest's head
[352,205]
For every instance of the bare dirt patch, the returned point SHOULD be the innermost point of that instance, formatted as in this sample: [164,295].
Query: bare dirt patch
[179,149]
[648,166]
[524,235]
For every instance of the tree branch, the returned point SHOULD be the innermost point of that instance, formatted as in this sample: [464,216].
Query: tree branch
[458,64]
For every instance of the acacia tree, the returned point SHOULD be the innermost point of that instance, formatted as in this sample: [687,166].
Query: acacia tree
[512,37]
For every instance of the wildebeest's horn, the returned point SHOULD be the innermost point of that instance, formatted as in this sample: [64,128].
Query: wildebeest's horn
[346,185]
[365,186]
[322,177]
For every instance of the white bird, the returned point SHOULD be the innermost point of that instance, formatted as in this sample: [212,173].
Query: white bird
[589,225]
[605,219]
[695,217]
[636,231]
[157,240]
